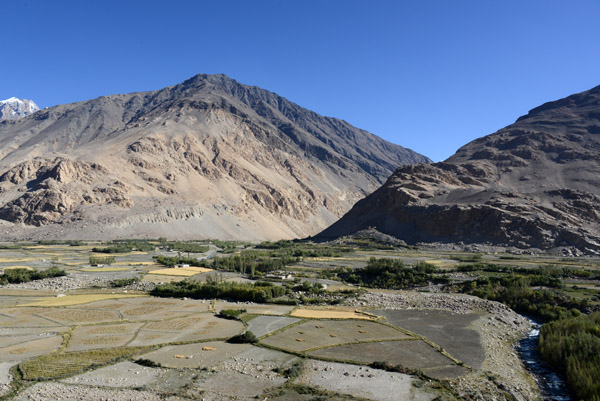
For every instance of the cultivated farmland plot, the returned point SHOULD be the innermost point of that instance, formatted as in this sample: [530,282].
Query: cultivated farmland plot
[84,338]
[325,333]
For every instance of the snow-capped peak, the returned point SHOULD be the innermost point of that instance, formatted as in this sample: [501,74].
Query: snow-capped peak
[14,108]
[11,100]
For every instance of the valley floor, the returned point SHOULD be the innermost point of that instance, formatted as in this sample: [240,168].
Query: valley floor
[79,337]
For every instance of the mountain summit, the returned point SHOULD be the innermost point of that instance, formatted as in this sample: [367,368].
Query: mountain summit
[535,183]
[13,108]
[209,158]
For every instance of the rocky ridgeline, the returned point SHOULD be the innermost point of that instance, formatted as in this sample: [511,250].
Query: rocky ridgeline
[532,184]
[155,163]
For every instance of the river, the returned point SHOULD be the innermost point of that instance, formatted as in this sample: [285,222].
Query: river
[552,386]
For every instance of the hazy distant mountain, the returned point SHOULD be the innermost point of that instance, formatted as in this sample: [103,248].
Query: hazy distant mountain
[13,108]
[209,157]
[535,183]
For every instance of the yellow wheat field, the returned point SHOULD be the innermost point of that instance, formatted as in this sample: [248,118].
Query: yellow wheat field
[69,300]
[16,260]
[104,269]
[328,314]
[18,267]
[183,271]
[441,263]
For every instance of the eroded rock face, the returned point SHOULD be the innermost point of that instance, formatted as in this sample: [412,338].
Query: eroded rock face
[48,190]
[208,158]
[535,183]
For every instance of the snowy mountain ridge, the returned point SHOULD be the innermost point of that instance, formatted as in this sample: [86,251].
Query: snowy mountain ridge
[14,108]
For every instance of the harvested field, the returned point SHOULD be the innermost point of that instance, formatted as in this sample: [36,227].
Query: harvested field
[16,260]
[71,316]
[161,278]
[105,269]
[13,337]
[310,313]
[263,325]
[22,292]
[69,300]
[25,320]
[192,356]
[326,333]
[102,336]
[183,271]
[192,328]
[364,382]
[448,330]
[30,349]
[257,309]
[59,365]
[413,354]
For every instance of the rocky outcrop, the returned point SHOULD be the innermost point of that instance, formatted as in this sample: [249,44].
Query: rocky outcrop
[533,184]
[48,190]
[209,157]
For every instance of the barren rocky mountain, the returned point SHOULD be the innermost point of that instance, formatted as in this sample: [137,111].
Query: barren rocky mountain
[13,108]
[209,157]
[533,184]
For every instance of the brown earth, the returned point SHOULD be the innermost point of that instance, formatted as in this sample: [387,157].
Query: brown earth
[533,184]
[209,158]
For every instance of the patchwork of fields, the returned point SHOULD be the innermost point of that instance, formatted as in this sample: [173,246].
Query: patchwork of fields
[80,334]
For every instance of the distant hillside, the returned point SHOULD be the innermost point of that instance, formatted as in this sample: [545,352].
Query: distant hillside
[209,157]
[535,183]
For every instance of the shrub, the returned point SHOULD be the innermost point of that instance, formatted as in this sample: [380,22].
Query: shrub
[147,362]
[102,260]
[232,314]
[124,282]
[246,337]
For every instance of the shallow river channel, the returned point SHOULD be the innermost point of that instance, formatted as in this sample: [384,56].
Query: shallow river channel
[551,385]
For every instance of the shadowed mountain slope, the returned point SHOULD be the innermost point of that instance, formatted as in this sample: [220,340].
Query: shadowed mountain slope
[208,158]
[533,184]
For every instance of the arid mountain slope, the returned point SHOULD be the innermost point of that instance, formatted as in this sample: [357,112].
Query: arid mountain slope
[535,183]
[209,157]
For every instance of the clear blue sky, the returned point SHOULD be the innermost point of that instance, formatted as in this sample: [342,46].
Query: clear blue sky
[429,75]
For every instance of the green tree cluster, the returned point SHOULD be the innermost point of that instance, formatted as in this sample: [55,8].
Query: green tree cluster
[258,292]
[573,345]
[393,274]
[16,276]
[515,291]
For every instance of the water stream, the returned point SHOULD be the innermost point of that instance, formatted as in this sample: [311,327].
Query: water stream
[552,386]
